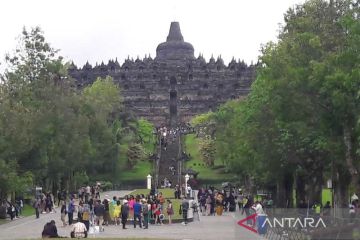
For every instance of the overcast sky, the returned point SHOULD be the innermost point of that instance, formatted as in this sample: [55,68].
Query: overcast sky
[105,29]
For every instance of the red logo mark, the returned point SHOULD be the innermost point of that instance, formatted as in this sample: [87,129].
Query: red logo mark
[241,222]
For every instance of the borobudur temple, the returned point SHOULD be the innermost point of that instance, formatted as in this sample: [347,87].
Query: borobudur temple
[175,85]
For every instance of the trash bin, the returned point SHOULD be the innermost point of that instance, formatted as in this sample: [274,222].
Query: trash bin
[261,226]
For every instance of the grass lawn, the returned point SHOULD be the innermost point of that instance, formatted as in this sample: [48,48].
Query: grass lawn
[28,210]
[168,194]
[143,168]
[139,172]
[196,163]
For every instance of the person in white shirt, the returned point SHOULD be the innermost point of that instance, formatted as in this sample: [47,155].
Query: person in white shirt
[189,191]
[258,208]
[78,230]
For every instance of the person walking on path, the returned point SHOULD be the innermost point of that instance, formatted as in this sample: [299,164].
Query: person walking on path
[99,211]
[117,211]
[63,212]
[137,212]
[184,207]
[131,202]
[157,212]
[71,210]
[37,205]
[11,210]
[107,218]
[145,210]
[208,205]
[169,210]
[124,213]
[86,214]
[219,198]
[246,208]
[59,197]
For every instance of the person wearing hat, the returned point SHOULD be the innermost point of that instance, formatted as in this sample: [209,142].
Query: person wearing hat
[124,213]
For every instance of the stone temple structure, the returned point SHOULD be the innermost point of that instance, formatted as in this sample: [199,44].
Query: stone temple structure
[175,85]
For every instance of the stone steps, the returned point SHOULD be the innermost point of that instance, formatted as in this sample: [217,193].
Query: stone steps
[168,158]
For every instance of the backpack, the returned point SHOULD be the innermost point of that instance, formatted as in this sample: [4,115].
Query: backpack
[185,206]
[71,208]
[145,209]
[35,204]
[86,216]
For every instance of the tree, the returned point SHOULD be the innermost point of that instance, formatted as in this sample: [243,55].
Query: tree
[314,63]
[135,153]
[102,105]
[300,120]
[207,150]
[145,133]
[32,79]
[51,129]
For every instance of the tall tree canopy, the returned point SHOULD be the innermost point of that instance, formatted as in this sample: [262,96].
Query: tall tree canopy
[52,133]
[300,124]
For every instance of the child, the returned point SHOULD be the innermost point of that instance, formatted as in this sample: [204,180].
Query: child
[117,211]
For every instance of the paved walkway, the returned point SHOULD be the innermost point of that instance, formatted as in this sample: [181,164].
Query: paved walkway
[208,228]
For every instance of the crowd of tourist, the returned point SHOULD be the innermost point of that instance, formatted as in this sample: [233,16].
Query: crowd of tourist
[213,201]
[142,211]
[43,203]
[92,212]
[170,134]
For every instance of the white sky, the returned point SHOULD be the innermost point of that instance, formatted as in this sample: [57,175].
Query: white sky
[104,29]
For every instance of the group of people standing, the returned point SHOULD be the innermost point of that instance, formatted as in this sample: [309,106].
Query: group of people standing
[143,210]
[170,134]
[44,203]
[139,209]
[213,201]
[12,208]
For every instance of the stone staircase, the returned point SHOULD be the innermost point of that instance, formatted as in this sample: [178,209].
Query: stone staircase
[168,158]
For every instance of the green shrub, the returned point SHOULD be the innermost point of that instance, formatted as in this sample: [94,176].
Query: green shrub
[106,186]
